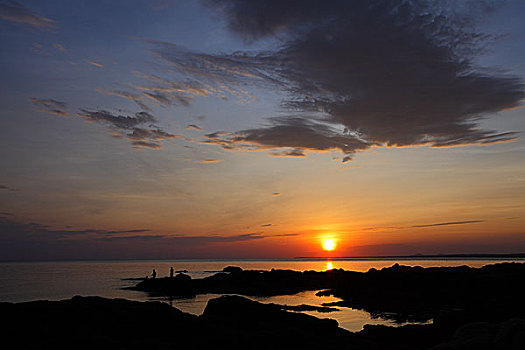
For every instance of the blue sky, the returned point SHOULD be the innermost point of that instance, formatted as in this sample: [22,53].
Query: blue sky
[257,129]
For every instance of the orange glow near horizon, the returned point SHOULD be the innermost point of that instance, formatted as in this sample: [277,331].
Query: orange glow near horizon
[329,244]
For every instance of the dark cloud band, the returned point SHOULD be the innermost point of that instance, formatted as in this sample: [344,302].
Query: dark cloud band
[391,73]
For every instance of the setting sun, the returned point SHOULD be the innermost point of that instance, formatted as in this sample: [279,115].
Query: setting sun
[329,244]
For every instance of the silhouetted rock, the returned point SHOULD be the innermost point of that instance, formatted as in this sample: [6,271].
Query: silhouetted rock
[467,305]
[244,282]
[232,269]
[304,307]
[401,293]
[228,322]
[490,293]
[508,335]
[94,323]
[255,325]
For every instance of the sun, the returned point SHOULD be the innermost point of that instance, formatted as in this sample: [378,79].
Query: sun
[328,244]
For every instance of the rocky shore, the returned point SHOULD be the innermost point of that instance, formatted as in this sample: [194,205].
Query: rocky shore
[399,292]
[471,309]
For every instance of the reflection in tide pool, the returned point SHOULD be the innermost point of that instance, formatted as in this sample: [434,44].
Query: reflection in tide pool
[348,318]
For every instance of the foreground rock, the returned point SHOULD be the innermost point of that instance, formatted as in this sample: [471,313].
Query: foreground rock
[228,322]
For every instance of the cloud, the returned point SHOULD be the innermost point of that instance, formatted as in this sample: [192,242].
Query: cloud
[349,167]
[358,74]
[118,121]
[137,98]
[266,225]
[133,238]
[16,12]
[276,194]
[44,50]
[33,241]
[95,64]
[465,222]
[193,127]
[140,129]
[197,240]
[206,161]
[191,240]
[297,133]
[201,74]
[286,235]
[6,188]
[59,47]
[290,153]
[160,91]
[50,106]
[449,223]
[37,232]
[129,231]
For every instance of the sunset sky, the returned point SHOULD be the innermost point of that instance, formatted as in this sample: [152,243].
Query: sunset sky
[257,129]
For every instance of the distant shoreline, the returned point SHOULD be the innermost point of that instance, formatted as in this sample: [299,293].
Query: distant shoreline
[418,257]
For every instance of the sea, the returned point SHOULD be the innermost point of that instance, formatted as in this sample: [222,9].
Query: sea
[28,281]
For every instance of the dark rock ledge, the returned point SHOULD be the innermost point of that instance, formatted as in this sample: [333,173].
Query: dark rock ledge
[228,322]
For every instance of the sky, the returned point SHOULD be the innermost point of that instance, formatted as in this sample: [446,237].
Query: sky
[257,129]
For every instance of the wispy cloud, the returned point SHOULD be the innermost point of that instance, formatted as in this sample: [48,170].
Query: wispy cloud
[140,129]
[137,98]
[37,231]
[190,240]
[133,238]
[59,47]
[350,167]
[31,240]
[48,50]
[95,64]
[207,161]
[50,106]
[10,189]
[358,74]
[16,12]
[449,223]
[193,127]
[289,153]
[161,91]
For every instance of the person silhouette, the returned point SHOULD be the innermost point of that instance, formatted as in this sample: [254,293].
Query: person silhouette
[154,274]
[171,271]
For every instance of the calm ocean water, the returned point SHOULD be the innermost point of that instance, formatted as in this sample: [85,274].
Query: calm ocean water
[23,281]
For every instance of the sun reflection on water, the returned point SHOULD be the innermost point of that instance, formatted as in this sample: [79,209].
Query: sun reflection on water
[329,266]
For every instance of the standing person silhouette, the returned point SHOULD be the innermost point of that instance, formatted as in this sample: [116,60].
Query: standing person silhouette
[171,271]
[154,274]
